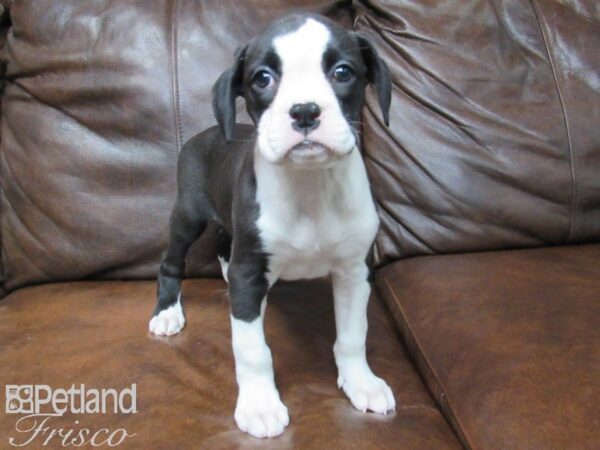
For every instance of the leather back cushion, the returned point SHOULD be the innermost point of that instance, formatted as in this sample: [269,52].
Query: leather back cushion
[100,97]
[494,139]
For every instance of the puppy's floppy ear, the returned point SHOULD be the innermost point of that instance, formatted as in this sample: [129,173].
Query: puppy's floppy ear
[225,91]
[378,74]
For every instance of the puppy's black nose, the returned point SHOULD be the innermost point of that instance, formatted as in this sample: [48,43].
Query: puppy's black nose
[305,116]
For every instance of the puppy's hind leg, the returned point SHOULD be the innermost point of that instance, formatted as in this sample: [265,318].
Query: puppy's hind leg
[187,224]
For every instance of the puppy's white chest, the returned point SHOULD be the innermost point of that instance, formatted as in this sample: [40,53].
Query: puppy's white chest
[301,246]
[311,220]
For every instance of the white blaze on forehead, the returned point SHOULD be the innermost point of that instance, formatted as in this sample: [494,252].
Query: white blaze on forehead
[301,54]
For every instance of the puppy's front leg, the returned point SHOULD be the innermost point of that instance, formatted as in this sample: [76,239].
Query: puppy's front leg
[259,410]
[351,295]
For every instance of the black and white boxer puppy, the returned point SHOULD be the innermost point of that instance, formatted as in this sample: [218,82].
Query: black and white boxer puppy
[292,199]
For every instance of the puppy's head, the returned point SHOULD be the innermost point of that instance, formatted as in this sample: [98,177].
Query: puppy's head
[303,80]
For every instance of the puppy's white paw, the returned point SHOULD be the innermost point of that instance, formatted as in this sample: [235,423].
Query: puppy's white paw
[260,412]
[168,322]
[368,392]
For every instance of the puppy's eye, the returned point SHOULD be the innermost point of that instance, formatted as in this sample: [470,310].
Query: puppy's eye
[263,79]
[342,73]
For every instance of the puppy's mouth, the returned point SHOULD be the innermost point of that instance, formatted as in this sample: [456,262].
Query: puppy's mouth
[308,151]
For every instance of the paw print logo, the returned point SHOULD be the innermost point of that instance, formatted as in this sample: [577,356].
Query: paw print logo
[19,399]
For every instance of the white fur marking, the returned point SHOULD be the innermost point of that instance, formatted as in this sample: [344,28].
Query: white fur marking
[351,295]
[169,321]
[312,220]
[365,390]
[259,410]
[224,267]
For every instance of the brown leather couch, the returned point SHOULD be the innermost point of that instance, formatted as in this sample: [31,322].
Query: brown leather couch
[486,317]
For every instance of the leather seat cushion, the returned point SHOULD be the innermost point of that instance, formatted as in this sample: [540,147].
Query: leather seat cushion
[95,333]
[509,342]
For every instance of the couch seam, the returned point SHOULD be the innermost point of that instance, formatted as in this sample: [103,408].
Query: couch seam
[175,76]
[4,15]
[574,198]
[467,441]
